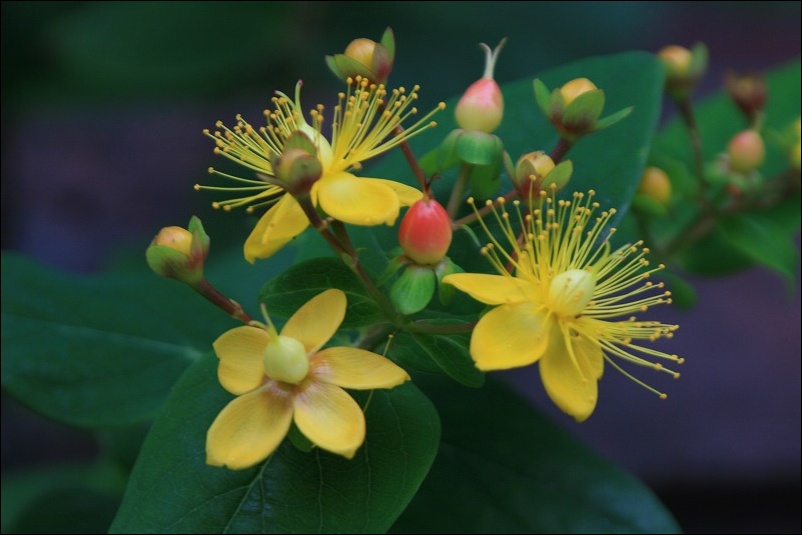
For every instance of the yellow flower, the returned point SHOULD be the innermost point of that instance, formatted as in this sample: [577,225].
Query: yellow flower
[283,377]
[367,121]
[566,299]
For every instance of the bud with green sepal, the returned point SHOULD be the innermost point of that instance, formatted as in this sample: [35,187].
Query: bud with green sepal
[574,109]
[482,105]
[297,168]
[654,192]
[749,93]
[684,68]
[365,58]
[536,172]
[424,235]
[178,253]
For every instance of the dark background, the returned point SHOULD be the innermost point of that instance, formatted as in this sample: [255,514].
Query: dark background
[102,110]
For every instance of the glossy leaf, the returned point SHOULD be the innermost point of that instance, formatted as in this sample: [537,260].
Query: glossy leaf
[97,351]
[172,490]
[285,294]
[504,468]
[449,353]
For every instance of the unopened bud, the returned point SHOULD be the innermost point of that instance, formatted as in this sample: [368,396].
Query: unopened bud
[296,167]
[531,169]
[746,152]
[178,253]
[425,232]
[656,185]
[574,88]
[748,92]
[365,58]
[684,68]
[482,105]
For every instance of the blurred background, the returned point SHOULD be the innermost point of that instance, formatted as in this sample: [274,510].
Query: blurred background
[103,104]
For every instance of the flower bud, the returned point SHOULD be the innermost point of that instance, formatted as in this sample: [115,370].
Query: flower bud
[425,232]
[574,88]
[531,169]
[656,185]
[684,68]
[746,152]
[482,105]
[178,253]
[297,167]
[536,172]
[748,92]
[574,109]
[365,58]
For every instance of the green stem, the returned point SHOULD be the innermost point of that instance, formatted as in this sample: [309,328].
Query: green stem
[229,306]
[421,327]
[459,190]
[686,110]
[562,147]
[420,176]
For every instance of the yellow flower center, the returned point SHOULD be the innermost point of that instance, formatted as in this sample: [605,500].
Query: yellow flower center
[285,360]
[571,291]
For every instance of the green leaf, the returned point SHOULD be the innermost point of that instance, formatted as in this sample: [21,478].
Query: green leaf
[172,490]
[450,353]
[542,97]
[478,148]
[77,499]
[285,294]
[97,351]
[764,241]
[715,256]
[504,468]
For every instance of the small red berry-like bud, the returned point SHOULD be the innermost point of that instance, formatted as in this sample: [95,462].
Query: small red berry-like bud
[425,232]
[482,105]
[746,151]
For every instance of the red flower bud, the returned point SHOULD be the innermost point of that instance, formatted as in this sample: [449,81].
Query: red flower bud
[425,232]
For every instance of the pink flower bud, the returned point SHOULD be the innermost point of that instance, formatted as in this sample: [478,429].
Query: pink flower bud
[746,151]
[482,105]
[425,232]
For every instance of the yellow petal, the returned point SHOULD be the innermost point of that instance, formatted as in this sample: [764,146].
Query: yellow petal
[317,320]
[350,367]
[329,417]
[284,221]
[571,389]
[407,195]
[249,428]
[358,201]
[589,355]
[492,289]
[509,336]
[240,352]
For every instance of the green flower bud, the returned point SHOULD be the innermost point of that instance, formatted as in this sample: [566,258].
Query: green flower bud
[178,253]
[365,58]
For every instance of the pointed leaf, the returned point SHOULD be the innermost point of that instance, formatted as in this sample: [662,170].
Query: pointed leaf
[98,351]
[172,490]
[287,292]
[504,468]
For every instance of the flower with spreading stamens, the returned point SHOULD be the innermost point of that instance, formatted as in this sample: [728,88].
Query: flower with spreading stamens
[367,122]
[564,297]
[281,378]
